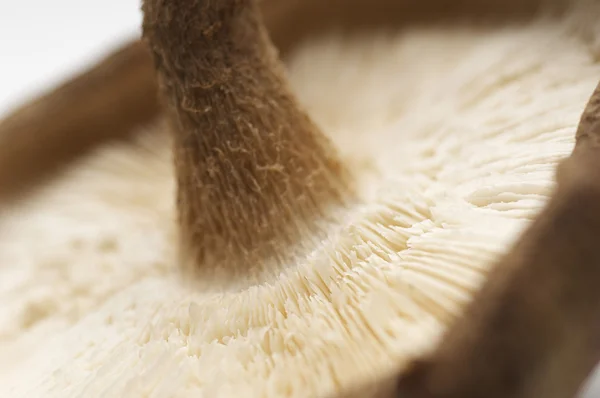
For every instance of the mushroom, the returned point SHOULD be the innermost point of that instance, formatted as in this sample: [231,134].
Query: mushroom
[292,269]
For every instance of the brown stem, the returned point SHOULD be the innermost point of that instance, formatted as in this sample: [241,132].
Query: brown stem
[105,103]
[532,331]
[256,179]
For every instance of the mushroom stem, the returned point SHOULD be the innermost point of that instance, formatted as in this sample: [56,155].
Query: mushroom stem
[257,180]
[532,330]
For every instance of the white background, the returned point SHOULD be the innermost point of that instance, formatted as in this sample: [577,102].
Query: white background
[44,41]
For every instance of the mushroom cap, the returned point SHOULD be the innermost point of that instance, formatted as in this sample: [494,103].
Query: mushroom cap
[454,134]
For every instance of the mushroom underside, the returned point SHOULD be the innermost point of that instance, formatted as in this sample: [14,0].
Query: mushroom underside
[452,135]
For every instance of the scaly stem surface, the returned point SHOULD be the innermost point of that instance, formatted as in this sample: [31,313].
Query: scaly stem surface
[256,178]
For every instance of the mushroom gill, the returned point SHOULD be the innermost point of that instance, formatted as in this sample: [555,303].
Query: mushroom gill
[309,279]
[532,328]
